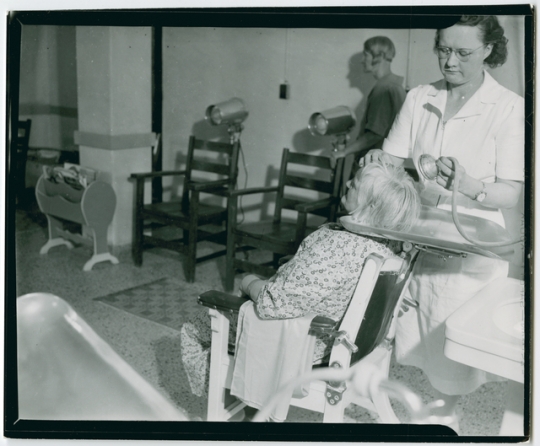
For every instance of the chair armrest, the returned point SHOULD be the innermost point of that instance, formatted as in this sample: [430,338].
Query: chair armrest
[140,176]
[322,325]
[207,185]
[221,301]
[252,190]
[314,205]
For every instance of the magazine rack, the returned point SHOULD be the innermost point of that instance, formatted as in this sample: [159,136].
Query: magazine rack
[91,206]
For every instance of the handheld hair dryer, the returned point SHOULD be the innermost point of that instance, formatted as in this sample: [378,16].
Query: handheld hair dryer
[427,167]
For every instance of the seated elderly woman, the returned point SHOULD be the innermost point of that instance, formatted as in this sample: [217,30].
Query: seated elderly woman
[321,277]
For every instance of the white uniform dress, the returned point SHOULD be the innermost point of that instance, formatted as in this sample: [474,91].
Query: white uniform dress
[487,138]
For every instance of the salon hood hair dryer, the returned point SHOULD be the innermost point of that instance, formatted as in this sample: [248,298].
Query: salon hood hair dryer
[427,167]
[337,121]
[230,113]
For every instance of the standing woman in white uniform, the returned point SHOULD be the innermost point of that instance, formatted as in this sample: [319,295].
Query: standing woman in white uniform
[469,116]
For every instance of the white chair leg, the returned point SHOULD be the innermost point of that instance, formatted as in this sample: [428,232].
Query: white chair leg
[218,352]
[96,258]
[380,399]
[368,396]
[333,413]
[51,243]
[384,409]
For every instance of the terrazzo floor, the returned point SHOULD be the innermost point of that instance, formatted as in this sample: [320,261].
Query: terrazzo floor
[153,350]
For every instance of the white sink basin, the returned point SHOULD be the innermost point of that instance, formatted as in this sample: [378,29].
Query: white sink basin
[67,372]
[487,332]
[436,228]
[509,317]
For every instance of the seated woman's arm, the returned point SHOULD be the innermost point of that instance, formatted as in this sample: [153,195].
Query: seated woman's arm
[252,286]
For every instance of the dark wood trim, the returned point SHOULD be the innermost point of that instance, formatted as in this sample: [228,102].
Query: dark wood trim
[157,109]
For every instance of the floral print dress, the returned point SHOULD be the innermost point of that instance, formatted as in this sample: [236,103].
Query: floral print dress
[320,279]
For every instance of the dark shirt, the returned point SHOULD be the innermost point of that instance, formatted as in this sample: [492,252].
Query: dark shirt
[383,104]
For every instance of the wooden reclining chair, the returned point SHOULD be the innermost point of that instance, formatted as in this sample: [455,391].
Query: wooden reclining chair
[198,220]
[21,157]
[365,333]
[277,235]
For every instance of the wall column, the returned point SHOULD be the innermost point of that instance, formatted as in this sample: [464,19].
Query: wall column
[114,90]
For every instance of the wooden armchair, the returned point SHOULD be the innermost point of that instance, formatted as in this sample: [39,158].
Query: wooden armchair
[197,220]
[277,235]
[365,333]
[23,140]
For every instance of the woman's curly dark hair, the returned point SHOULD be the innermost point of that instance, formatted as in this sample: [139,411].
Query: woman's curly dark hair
[491,33]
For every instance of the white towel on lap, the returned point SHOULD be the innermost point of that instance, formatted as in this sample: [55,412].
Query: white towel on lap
[269,354]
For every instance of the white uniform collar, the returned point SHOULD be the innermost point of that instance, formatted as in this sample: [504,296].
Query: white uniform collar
[488,93]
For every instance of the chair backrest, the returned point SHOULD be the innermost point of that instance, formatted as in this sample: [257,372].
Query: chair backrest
[198,159]
[23,135]
[325,180]
[375,301]
[20,155]
[381,307]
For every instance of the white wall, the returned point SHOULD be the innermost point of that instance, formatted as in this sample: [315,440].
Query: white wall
[48,85]
[424,69]
[206,65]
[203,66]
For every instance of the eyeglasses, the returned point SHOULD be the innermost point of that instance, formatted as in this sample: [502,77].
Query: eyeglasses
[462,54]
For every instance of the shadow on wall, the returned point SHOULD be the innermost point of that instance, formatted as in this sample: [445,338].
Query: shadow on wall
[272,176]
[201,129]
[304,141]
[204,130]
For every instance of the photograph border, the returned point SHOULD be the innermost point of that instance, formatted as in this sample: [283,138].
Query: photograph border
[264,17]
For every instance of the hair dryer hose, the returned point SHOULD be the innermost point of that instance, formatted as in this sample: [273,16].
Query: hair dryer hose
[456,217]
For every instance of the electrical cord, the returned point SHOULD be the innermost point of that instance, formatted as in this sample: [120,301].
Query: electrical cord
[245,184]
[456,217]
[363,379]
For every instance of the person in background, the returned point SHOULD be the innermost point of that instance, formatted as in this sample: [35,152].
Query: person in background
[383,102]
[469,116]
